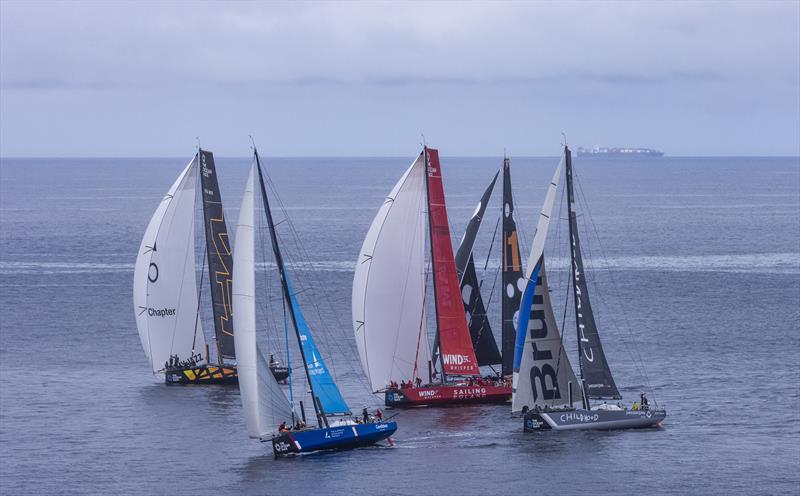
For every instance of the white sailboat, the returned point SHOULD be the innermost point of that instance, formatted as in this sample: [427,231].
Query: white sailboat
[267,409]
[544,383]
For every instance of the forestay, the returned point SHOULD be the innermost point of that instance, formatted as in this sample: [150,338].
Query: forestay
[164,283]
[389,285]
[265,405]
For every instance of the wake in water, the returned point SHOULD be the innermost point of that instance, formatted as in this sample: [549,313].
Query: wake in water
[755,263]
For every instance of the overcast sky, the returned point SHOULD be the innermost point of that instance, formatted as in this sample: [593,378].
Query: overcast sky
[144,79]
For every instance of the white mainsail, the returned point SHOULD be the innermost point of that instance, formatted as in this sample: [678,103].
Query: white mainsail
[545,373]
[164,282]
[265,405]
[389,285]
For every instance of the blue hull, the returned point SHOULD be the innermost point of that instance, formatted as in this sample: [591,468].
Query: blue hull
[332,438]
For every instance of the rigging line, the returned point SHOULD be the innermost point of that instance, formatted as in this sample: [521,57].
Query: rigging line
[301,279]
[199,296]
[269,283]
[618,295]
[491,244]
[561,336]
[637,359]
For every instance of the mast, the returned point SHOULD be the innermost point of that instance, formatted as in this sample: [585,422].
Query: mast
[437,355]
[219,258]
[595,373]
[321,420]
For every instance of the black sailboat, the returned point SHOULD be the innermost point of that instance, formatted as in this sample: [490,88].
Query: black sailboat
[512,281]
[545,386]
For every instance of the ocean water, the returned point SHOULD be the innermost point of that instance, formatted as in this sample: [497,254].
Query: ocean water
[695,265]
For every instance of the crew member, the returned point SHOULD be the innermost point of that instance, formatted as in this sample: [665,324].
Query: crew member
[365,413]
[282,427]
[645,403]
[378,414]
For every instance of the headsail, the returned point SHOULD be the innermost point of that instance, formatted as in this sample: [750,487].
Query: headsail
[596,374]
[513,282]
[220,261]
[389,286]
[164,283]
[457,355]
[265,405]
[322,385]
[542,372]
[480,330]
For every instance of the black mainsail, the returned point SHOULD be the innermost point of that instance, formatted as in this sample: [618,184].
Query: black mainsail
[480,330]
[220,261]
[512,277]
[595,373]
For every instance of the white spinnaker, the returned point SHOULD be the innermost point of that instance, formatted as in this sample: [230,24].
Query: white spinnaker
[389,286]
[164,282]
[536,380]
[265,405]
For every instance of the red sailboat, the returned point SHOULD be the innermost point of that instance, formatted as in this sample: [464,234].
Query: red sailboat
[389,295]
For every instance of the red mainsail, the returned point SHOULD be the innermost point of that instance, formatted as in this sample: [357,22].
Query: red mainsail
[458,357]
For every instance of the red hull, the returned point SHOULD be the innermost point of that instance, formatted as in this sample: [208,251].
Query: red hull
[449,394]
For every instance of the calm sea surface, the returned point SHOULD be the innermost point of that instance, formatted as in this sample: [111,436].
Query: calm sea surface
[696,267]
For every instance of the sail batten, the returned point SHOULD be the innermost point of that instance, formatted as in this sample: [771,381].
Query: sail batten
[595,372]
[483,341]
[219,258]
[389,286]
[165,287]
[456,352]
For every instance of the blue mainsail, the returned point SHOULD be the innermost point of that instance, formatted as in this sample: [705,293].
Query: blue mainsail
[321,380]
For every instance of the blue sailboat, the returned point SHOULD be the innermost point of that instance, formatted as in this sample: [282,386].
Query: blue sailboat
[267,410]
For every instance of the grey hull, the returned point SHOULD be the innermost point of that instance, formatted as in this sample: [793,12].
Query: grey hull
[562,420]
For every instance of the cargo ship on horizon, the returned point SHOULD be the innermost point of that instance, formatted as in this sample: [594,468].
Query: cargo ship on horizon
[622,152]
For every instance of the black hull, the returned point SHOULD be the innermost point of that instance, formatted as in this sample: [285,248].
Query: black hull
[280,373]
[223,375]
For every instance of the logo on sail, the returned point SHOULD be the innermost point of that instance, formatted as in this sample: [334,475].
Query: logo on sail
[160,312]
[455,359]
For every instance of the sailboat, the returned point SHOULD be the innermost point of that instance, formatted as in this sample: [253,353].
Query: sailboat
[545,385]
[266,407]
[389,292]
[166,297]
[511,287]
